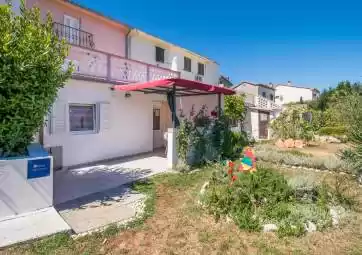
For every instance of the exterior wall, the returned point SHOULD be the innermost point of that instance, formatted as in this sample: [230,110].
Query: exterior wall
[247,88]
[267,91]
[292,94]
[107,36]
[142,49]
[125,129]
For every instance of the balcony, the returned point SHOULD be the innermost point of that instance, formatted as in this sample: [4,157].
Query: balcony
[104,67]
[74,36]
[261,103]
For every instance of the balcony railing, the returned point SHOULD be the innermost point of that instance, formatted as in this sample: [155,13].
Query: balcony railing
[98,65]
[261,103]
[74,36]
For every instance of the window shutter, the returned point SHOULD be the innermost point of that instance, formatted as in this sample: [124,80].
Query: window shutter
[58,118]
[104,116]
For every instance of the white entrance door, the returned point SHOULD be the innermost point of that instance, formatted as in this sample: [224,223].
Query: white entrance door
[71,29]
[158,141]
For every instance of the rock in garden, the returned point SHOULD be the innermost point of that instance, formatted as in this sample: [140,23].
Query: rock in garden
[310,227]
[280,144]
[299,144]
[332,139]
[289,143]
[203,188]
[270,228]
[336,213]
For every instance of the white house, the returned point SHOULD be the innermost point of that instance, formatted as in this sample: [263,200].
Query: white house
[287,93]
[261,108]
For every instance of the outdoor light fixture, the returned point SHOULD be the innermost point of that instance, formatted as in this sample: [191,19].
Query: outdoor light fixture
[127,95]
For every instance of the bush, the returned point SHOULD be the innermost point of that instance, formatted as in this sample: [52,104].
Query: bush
[292,123]
[269,153]
[30,76]
[211,139]
[253,199]
[333,131]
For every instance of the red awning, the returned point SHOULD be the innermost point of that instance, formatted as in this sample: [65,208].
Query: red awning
[183,87]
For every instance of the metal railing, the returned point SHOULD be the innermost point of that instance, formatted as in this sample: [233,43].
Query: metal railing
[73,35]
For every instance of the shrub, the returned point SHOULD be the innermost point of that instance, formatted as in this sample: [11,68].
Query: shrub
[333,131]
[205,138]
[292,123]
[253,199]
[30,75]
[271,154]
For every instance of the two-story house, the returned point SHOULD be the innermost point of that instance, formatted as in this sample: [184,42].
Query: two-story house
[90,120]
[261,108]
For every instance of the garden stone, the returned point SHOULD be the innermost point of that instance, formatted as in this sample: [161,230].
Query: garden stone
[299,144]
[270,228]
[289,143]
[336,213]
[360,179]
[310,227]
[280,144]
[332,139]
[203,188]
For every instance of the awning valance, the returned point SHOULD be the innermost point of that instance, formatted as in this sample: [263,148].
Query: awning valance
[182,87]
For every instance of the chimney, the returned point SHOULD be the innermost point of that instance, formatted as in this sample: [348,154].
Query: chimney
[289,83]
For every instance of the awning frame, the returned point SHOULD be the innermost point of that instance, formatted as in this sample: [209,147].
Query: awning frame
[178,88]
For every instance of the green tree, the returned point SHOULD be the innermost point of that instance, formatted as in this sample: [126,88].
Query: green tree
[31,60]
[234,107]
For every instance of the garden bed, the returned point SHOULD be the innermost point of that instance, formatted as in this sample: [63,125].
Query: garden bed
[266,200]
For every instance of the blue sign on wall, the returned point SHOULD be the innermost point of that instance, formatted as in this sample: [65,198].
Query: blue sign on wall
[38,168]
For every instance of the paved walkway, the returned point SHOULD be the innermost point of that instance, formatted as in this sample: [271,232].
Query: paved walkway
[80,182]
[30,226]
[102,208]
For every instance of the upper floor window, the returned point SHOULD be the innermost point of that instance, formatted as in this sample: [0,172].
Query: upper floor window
[160,55]
[271,97]
[201,69]
[263,94]
[187,64]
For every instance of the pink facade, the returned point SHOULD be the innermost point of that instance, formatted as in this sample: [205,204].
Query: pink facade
[108,36]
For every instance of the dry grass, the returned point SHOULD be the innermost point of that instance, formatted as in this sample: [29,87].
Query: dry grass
[180,226]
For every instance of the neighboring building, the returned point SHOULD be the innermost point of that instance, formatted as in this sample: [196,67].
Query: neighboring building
[288,93]
[261,108]
[225,81]
[89,120]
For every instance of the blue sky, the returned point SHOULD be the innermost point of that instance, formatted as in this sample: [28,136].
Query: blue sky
[312,43]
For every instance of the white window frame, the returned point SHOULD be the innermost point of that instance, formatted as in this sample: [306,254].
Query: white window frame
[96,118]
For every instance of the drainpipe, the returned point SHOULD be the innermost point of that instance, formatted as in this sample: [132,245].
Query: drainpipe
[127,43]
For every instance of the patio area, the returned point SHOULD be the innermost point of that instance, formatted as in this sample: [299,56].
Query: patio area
[76,183]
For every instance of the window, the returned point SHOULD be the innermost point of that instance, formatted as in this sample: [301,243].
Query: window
[271,97]
[160,55]
[156,119]
[263,94]
[233,123]
[187,64]
[201,69]
[82,117]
